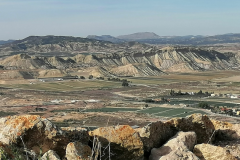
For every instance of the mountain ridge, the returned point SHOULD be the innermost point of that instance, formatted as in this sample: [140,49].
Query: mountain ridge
[179,40]
[151,62]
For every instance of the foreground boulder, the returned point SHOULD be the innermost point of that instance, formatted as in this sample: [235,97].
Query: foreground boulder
[198,123]
[33,132]
[210,152]
[50,155]
[155,134]
[226,131]
[125,143]
[78,151]
[177,148]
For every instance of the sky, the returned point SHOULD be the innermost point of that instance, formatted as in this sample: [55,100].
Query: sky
[80,18]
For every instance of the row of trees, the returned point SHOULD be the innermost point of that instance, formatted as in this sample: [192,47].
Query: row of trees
[199,93]
[125,82]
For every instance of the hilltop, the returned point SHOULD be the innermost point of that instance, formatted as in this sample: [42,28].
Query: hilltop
[66,45]
[139,35]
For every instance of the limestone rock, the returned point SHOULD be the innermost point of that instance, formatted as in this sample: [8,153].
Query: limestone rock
[123,139]
[155,134]
[177,148]
[50,155]
[198,123]
[76,134]
[210,152]
[35,132]
[226,131]
[77,151]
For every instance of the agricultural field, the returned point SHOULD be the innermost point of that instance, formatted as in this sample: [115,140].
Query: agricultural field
[217,76]
[196,102]
[154,111]
[66,85]
[112,110]
[171,112]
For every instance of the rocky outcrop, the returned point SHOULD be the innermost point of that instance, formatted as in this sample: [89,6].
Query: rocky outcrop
[179,148]
[30,134]
[226,131]
[125,142]
[210,152]
[50,155]
[34,133]
[155,134]
[200,124]
[77,151]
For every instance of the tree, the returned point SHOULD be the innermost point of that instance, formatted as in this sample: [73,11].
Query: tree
[125,83]
[200,92]
[172,92]
[179,92]
[82,77]
[90,77]
[204,105]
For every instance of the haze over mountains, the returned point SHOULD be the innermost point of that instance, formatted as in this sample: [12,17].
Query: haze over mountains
[152,38]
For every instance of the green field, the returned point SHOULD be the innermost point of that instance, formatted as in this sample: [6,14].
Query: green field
[171,112]
[179,112]
[183,77]
[111,110]
[66,86]
[195,102]
[156,111]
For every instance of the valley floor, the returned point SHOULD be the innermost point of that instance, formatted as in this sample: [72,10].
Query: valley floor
[102,102]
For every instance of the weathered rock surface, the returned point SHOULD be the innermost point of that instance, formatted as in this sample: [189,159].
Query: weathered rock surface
[77,151]
[226,131]
[200,124]
[125,142]
[210,152]
[50,155]
[177,148]
[76,134]
[155,134]
[35,132]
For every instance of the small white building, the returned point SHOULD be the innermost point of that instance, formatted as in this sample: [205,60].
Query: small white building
[213,95]
[234,96]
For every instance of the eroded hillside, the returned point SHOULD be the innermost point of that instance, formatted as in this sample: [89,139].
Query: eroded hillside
[108,59]
[149,62]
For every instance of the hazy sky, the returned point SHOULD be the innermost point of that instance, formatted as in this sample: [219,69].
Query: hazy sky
[22,18]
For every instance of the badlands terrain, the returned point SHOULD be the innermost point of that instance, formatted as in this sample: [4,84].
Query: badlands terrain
[72,92]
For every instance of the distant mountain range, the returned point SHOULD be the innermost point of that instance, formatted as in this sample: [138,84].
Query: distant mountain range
[106,38]
[152,38]
[4,42]
[59,45]
[105,58]
[139,35]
